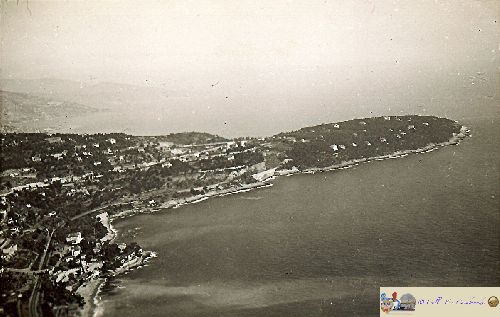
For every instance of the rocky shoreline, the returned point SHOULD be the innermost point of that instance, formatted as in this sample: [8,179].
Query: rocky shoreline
[90,291]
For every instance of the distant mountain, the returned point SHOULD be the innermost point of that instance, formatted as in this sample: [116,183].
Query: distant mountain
[49,88]
[22,112]
[139,110]
[103,95]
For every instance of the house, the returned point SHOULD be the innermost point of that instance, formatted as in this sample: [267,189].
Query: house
[165,145]
[8,252]
[76,250]
[58,156]
[178,151]
[334,147]
[74,238]
[28,170]
[230,144]
[166,164]
[112,141]
[117,169]
[54,139]
[97,247]
[147,164]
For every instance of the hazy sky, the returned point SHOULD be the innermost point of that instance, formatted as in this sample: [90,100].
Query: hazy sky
[163,41]
[261,49]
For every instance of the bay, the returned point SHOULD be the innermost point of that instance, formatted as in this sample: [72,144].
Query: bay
[323,244]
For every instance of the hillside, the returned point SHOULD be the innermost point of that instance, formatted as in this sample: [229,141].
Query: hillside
[27,113]
[332,143]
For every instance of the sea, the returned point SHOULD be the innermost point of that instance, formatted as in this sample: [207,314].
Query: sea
[323,244]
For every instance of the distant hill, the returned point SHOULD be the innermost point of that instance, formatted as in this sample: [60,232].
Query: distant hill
[22,112]
[193,138]
[102,95]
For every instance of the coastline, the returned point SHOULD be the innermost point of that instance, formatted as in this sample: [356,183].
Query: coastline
[455,140]
[91,291]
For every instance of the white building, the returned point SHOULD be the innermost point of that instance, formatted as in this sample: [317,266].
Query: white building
[74,238]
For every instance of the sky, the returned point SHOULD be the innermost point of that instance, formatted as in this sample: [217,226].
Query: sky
[294,53]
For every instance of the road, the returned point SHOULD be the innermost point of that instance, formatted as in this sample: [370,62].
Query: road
[96,210]
[33,300]
[26,270]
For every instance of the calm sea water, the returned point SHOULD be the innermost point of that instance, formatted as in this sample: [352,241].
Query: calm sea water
[322,245]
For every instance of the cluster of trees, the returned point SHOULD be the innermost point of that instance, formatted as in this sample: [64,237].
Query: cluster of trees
[55,294]
[113,255]
[193,138]
[11,282]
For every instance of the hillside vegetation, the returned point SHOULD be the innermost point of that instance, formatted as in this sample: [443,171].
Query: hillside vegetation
[194,138]
[332,143]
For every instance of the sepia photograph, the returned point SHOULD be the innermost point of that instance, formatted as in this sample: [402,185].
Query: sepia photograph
[251,158]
